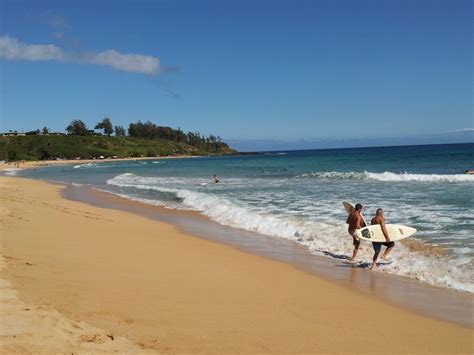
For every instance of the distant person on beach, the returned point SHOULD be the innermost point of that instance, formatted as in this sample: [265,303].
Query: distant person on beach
[380,219]
[216,179]
[355,222]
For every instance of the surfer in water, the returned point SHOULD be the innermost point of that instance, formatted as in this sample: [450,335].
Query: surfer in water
[380,219]
[216,179]
[355,221]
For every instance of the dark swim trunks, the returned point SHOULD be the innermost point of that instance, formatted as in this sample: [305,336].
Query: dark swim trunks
[378,246]
[355,241]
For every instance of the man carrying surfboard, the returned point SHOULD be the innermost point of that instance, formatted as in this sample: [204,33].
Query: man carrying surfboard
[380,219]
[355,222]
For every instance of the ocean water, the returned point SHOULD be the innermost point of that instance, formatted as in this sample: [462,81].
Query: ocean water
[298,195]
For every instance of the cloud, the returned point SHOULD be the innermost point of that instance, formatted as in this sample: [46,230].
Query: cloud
[127,62]
[462,130]
[12,49]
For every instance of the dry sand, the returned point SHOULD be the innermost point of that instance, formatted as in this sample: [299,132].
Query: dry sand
[89,274]
[28,328]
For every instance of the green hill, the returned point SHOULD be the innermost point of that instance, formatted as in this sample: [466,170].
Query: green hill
[39,147]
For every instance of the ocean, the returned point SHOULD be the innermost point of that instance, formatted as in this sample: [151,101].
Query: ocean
[297,195]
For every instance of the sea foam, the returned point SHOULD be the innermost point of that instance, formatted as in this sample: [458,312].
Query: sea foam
[87,165]
[320,237]
[12,171]
[388,176]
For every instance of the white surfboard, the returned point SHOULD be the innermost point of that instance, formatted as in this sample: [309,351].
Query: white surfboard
[351,208]
[395,232]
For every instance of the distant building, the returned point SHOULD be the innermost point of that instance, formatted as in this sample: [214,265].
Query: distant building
[12,134]
[30,133]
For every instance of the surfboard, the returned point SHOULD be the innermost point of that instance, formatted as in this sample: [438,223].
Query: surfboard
[349,207]
[395,232]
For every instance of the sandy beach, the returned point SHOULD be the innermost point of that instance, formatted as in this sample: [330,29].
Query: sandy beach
[31,164]
[87,279]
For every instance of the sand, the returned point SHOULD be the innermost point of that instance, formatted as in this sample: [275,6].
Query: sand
[90,274]
[30,164]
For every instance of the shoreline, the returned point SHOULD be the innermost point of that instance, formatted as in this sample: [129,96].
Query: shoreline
[31,164]
[445,304]
[171,292]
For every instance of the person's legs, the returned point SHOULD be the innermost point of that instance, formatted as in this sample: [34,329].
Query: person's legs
[389,246]
[377,247]
[356,243]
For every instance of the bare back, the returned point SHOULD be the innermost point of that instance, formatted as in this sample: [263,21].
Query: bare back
[354,220]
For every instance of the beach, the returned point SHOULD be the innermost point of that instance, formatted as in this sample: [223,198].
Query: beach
[116,281]
[32,164]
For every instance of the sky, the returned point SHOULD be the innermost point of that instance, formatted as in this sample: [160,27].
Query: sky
[260,73]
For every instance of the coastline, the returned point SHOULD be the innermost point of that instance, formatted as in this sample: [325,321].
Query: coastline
[445,304]
[31,164]
[171,292]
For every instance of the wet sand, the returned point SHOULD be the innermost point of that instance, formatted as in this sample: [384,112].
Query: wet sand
[445,304]
[165,290]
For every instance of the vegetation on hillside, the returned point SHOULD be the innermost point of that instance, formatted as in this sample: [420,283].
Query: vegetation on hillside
[143,140]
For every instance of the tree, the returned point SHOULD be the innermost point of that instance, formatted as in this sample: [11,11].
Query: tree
[106,125]
[119,131]
[77,128]
[45,131]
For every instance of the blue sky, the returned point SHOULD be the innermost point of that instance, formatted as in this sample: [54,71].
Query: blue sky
[253,72]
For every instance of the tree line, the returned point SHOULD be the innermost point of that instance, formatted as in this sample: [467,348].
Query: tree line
[148,130]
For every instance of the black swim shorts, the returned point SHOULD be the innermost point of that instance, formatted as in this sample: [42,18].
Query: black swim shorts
[355,241]
[378,246]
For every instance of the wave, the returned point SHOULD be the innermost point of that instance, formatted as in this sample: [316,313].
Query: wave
[12,171]
[332,175]
[322,238]
[88,165]
[389,176]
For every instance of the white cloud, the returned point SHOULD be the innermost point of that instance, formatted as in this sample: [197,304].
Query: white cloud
[127,62]
[462,130]
[12,49]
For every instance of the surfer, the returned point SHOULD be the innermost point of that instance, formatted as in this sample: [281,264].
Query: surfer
[216,179]
[355,221]
[380,219]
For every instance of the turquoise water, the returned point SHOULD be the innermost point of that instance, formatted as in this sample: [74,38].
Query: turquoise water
[298,195]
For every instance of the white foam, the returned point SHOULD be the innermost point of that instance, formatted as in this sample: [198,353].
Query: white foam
[333,175]
[12,171]
[319,236]
[389,176]
[88,165]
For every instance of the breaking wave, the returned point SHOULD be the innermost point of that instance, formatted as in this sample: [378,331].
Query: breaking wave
[12,171]
[319,237]
[388,176]
[88,165]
